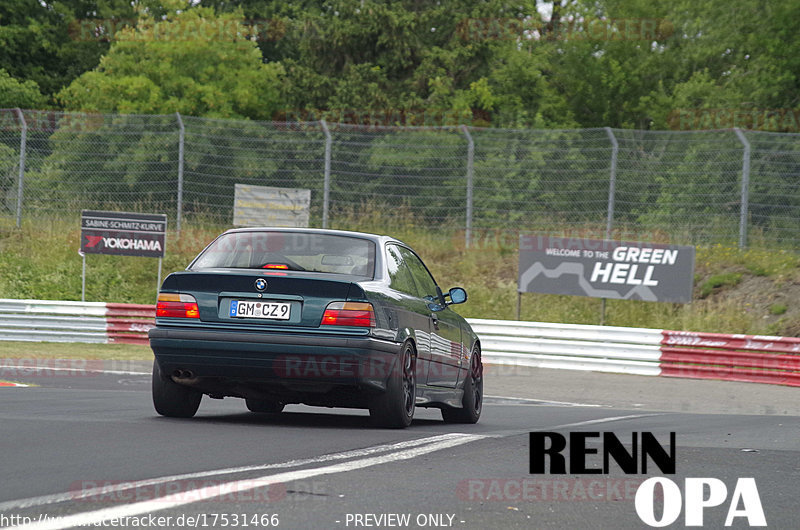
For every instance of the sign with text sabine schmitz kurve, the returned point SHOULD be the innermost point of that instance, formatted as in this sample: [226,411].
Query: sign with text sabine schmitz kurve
[123,233]
[606,269]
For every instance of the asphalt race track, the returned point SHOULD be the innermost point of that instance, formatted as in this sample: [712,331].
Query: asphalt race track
[84,446]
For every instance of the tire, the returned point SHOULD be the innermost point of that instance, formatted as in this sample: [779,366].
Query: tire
[473,394]
[394,409]
[264,405]
[171,399]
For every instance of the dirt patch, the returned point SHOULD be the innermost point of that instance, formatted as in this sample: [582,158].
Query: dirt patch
[773,301]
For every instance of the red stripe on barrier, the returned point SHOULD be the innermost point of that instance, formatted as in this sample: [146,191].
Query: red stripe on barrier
[128,338]
[130,310]
[730,374]
[133,326]
[726,358]
[129,323]
[731,342]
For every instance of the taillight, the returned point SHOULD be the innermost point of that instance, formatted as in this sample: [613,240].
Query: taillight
[177,305]
[360,314]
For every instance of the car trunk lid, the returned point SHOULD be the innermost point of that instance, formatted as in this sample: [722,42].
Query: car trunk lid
[240,297]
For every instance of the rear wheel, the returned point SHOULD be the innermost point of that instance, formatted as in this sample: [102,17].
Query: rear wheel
[171,399]
[395,407]
[473,394]
[264,405]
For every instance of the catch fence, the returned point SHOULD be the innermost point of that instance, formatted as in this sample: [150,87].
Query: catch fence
[681,187]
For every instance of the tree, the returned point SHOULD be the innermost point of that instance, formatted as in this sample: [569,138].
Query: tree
[690,54]
[15,93]
[51,42]
[194,62]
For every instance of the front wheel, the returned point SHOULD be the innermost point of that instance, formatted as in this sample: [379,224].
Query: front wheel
[395,407]
[171,399]
[473,394]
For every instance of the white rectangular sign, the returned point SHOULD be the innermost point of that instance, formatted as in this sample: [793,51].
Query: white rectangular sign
[267,206]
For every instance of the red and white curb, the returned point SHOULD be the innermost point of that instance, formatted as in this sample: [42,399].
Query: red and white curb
[10,384]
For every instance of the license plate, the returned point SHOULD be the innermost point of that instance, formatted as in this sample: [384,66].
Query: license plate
[270,310]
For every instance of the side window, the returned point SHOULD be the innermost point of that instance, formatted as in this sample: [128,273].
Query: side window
[426,286]
[399,275]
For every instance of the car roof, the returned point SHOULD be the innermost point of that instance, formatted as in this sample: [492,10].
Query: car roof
[380,239]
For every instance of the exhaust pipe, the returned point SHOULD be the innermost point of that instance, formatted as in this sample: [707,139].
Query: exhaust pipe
[182,374]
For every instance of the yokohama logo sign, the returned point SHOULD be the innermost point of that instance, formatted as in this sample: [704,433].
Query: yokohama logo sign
[124,243]
[124,234]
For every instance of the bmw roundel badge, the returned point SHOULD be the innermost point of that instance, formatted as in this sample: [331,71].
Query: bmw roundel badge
[261,284]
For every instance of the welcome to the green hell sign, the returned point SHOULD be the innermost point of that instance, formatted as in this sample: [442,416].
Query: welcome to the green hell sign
[606,269]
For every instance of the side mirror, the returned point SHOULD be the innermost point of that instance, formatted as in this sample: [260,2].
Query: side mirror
[457,295]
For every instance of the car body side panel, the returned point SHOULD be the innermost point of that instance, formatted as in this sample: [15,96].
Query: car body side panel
[404,321]
[446,350]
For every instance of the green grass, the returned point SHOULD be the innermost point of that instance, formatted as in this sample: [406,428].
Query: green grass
[71,350]
[778,309]
[720,280]
[40,261]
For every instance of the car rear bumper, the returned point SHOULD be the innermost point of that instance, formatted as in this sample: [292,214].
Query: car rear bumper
[314,362]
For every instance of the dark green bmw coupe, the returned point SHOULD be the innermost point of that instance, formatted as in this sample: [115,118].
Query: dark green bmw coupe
[320,317]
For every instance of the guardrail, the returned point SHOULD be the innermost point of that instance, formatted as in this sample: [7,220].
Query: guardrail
[90,322]
[653,352]
[570,346]
[750,358]
[687,354]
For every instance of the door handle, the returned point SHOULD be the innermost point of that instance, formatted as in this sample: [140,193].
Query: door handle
[435,321]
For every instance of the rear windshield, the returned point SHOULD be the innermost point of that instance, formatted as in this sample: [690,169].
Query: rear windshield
[294,251]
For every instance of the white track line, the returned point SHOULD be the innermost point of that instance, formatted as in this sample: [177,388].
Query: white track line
[202,494]
[118,487]
[598,420]
[55,498]
[545,401]
[34,369]
[519,432]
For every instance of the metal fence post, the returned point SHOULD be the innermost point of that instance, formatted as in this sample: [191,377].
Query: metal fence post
[23,140]
[470,175]
[326,183]
[612,190]
[181,138]
[612,180]
[745,188]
